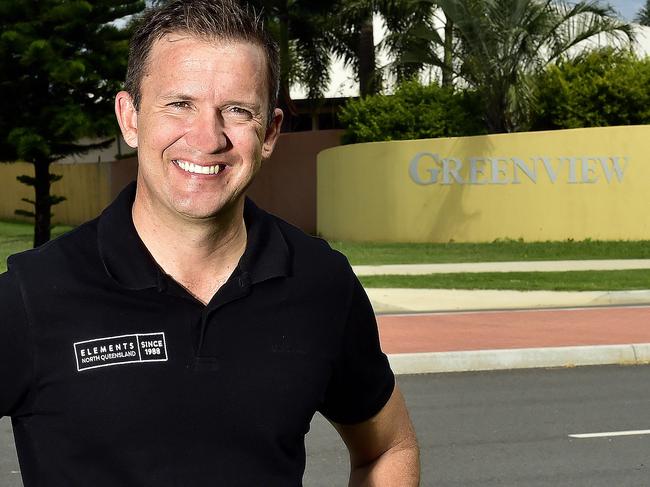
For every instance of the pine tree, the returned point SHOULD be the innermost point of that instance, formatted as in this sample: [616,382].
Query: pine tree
[61,62]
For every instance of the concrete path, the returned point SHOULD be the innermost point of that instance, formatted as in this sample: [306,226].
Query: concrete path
[404,300]
[528,266]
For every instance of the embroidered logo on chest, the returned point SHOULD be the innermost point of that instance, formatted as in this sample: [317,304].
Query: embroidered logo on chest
[123,349]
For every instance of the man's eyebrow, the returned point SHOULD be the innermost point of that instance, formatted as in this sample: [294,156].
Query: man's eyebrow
[177,96]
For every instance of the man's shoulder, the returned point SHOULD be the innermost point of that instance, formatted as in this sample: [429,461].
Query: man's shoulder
[312,251]
[72,248]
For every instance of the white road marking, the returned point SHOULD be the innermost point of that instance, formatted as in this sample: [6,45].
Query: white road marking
[607,434]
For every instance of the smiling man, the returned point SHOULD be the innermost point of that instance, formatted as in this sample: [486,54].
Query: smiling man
[186,337]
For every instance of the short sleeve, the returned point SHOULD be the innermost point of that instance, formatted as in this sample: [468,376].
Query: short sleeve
[362,381]
[16,363]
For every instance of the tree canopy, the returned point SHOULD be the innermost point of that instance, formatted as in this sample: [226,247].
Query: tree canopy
[413,112]
[61,63]
[600,88]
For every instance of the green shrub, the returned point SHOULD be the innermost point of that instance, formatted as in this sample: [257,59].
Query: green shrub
[600,88]
[413,112]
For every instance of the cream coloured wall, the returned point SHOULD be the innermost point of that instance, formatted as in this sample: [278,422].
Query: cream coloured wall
[569,184]
[87,187]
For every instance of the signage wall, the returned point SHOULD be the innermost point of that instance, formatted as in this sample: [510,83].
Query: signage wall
[557,185]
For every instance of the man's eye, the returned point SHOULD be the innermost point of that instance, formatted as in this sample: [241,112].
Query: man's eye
[238,112]
[179,104]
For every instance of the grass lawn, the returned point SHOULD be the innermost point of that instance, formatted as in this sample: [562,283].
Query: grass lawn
[521,281]
[498,251]
[16,237]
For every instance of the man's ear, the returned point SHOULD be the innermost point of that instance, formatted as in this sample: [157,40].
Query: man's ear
[127,117]
[272,133]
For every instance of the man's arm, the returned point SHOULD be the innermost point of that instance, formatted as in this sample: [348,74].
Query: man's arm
[383,450]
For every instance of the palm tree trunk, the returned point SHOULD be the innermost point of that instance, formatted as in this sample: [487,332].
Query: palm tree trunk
[496,112]
[284,98]
[447,69]
[368,83]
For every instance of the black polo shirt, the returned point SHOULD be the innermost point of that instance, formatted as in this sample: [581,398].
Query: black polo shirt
[114,375]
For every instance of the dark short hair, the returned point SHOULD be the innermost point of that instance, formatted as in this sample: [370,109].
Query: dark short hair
[205,19]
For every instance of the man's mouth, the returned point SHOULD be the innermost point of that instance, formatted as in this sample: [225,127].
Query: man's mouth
[197,169]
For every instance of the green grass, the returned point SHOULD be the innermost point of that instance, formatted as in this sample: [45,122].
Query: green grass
[498,251]
[521,281]
[16,237]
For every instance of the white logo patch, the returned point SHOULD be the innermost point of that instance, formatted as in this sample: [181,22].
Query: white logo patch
[123,349]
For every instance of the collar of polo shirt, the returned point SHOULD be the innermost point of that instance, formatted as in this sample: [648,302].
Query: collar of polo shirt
[128,262]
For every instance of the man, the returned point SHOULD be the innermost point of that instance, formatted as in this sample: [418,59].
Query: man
[186,337]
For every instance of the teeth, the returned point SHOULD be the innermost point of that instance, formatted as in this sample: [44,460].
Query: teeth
[196,169]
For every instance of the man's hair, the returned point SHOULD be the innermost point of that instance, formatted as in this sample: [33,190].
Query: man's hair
[210,20]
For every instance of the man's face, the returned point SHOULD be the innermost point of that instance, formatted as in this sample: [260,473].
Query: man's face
[201,130]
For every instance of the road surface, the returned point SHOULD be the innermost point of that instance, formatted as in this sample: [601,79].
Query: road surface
[506,428]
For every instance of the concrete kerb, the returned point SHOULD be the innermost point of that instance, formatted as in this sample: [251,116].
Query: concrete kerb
[520,266]
[522,358]
[401,300]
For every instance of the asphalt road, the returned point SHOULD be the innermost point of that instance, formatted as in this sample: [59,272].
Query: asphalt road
[507,428]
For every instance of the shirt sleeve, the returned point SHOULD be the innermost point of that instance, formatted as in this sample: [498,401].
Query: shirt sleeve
[16,360]
[362,381]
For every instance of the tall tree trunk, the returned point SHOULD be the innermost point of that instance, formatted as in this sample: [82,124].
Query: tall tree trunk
[284,101]
[447,69]
[43,206]
[368,82]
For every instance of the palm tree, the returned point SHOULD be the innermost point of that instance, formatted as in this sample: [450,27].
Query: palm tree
[410,39]
[413,39]
[302,29]
[355,43]
[504,44]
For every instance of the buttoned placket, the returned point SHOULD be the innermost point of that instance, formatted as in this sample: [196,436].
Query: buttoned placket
[236,287]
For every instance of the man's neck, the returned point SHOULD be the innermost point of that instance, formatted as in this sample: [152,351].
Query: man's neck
[200,254]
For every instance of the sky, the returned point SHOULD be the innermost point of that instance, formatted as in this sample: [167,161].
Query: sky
[627,8]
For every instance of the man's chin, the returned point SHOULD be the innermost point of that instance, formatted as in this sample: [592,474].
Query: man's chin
[206,212]
[198,215]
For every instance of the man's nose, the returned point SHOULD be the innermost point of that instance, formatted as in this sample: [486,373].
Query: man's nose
[207,133]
